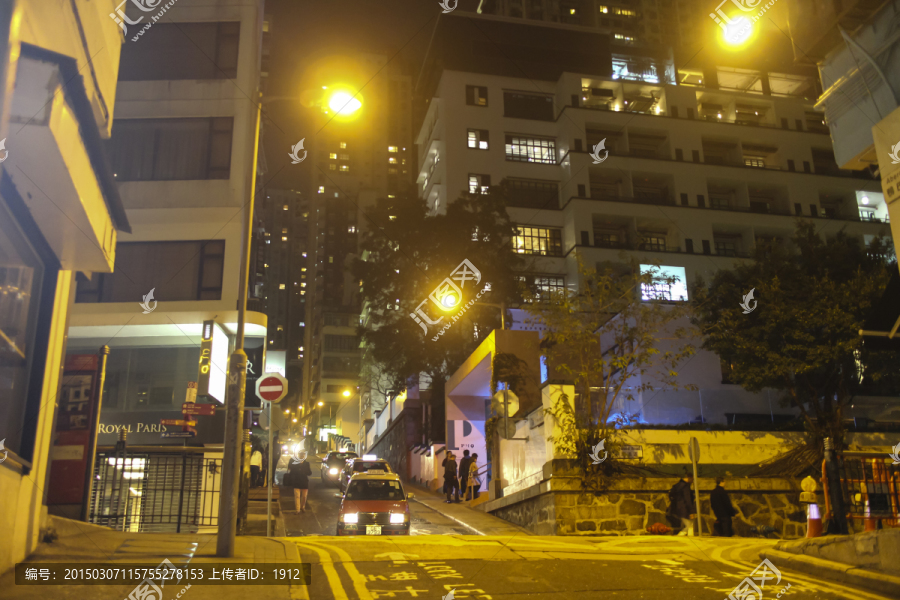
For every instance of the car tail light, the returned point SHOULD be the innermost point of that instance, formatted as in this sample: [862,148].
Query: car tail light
[351,518]
[398,517]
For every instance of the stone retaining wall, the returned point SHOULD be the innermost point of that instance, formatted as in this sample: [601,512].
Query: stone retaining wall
[629,506]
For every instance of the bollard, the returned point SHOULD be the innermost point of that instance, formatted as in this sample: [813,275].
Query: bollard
[813,517]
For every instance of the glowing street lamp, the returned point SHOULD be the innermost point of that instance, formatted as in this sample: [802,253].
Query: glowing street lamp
[344,103]
[346,393]
[321,403]
[738,31]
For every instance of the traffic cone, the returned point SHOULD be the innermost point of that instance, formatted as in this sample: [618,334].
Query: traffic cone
[870,523]
[813,521]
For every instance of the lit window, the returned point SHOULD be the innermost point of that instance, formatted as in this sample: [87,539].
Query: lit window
[343,144]
[285,207]
[281,328]
[391,196]
[392,148]
[537,240]
[321,189]
[351,229]
[302,268]
[392,160]
[392,171]
[284,238]
[332,155]
[331,259]
[604,9]
[478,138]
[345,168]
[529,149]
[280,286]
[284,230]
[479,184]
[302,324]
[304,255]
[571,11]
[301,285]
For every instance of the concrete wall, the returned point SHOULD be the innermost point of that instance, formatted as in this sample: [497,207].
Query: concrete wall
[402,434]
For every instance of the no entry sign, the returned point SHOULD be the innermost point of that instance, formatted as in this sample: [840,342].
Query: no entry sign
[271,387]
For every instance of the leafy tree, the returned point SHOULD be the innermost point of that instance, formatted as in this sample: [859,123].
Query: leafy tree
[407,253]
[803,336]
[612,345]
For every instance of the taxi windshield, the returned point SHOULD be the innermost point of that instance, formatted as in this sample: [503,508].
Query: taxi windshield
[374,489]
[365,466]
[340,456]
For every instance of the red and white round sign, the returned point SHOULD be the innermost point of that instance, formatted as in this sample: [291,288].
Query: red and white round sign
[271,387]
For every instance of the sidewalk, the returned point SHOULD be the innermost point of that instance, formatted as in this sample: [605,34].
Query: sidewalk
[864,559]
[479,522]
[79,542]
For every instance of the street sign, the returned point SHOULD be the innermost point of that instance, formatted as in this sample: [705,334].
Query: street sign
[206,410]
[272,387]
[179,434]
[177,422]
[631,452]
[694,449]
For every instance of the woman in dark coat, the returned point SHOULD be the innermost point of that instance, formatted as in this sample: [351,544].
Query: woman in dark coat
[297,477]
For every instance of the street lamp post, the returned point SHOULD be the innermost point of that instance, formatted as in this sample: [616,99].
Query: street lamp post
[237,384]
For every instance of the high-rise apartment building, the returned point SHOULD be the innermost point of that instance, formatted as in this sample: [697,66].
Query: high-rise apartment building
[693,176]
[354,162]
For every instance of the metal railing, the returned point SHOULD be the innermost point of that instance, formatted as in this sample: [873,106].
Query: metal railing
[869,487]
[149,491]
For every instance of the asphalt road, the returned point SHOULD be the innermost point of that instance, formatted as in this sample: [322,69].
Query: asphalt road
[486,568]
[324,501]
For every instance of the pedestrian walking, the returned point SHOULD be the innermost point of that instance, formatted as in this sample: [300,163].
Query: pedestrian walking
[474,478]
[464,472]
[723,509]
[255,466]
[451,480]
[681,504]
[297,477]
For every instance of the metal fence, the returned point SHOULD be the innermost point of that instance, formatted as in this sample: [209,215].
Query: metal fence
[870,486]
[156,491]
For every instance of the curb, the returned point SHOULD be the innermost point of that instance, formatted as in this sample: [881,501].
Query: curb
[839,572]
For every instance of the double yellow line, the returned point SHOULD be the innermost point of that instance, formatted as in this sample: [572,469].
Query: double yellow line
[331,573]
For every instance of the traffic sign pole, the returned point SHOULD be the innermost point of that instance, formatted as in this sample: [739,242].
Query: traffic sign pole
[270,474]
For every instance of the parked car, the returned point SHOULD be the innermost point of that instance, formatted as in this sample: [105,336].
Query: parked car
[362,465]
[375,504]
[333,463]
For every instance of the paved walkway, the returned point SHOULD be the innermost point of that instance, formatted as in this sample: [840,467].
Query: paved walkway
[476,521]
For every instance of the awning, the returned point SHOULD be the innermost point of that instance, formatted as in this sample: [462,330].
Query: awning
[881,331]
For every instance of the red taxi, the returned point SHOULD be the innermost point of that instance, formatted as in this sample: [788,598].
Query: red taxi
[375,503]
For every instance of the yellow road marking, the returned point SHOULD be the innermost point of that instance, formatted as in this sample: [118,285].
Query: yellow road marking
[331,574]
[359,582]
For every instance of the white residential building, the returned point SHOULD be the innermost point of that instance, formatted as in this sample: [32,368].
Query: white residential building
[695,178]
[183,150]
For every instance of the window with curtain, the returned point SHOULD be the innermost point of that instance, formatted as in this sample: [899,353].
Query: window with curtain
[174,270]
[171,149]
[178,51]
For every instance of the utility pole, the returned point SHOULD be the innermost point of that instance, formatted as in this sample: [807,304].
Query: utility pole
[237,384]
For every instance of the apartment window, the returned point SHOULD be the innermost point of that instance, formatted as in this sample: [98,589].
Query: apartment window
[343,144]
[547,286]
[538,240]
[392,148]
[725,248]
[798,209]
[392,160]
[345,168]
[684,200]
[582,191]
[344,156]
[585,238]
[476,95]
[339,320]
[332,155]
[285,207]
[351,229]
[280,286]
[171,149]
[341,343]
[519,105]
[607,240]
[653,242]
[689,246]
[177,271]
[178,51]
[790,165]
[332,167]
[679,154]
[531,149]
[701,201]
[479,183]
[673,111]
[533,193]
[478,139]
[706,247]
[752,161]
[695,155]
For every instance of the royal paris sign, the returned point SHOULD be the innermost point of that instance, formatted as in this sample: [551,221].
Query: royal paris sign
[138,428]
